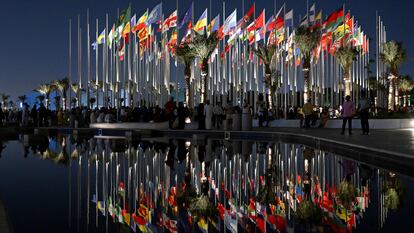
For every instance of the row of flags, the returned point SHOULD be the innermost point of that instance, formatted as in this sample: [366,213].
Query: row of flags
[338,29]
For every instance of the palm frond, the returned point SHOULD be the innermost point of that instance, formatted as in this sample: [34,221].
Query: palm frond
[306,39]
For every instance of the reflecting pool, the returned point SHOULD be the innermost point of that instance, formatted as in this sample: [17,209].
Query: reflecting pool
[96,184]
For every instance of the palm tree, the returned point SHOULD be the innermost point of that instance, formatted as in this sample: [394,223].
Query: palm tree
[266,55]
[393,55]
[405,85]
[4,98]
[63,86]
[46,89]
[306,39]
[40,98]
[202,46]
[345,57]
[186,57]
[22,98]
[57,102]
[75,88]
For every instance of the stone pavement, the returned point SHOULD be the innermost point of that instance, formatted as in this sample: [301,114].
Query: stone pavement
[393,141]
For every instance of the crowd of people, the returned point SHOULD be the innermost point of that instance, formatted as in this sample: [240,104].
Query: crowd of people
[207,115]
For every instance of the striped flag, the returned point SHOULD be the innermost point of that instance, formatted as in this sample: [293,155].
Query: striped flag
[202,22]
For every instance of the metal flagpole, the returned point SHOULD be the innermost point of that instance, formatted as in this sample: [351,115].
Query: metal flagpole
[88,51]
[79,64]
[97,63]
[105,68]
[70,63]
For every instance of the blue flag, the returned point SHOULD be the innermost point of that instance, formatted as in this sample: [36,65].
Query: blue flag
[186,17]
[155,15]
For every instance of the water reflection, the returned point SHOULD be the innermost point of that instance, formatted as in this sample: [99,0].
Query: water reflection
[168,185]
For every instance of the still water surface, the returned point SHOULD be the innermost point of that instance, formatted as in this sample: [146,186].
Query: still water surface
[67,184]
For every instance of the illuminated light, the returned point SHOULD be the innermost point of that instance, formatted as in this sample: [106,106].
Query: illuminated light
[187,120]
[187,143]
[412,123]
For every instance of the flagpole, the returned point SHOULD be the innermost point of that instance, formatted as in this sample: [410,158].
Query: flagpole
[70,63]
[79,65]
[97,63]
[88,42]
[105,77]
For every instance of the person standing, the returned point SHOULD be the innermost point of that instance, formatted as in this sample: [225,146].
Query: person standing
[1,116]
[208,113]
[308,111]
[218,113]
[363,109]
[348,112]
[33,115]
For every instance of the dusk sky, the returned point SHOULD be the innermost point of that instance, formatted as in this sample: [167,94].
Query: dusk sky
[34,41]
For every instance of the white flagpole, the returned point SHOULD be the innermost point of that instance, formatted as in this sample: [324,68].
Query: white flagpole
[88,51]
[97,63]
[70,62]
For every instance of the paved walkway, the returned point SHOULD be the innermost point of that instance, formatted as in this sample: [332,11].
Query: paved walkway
[397,140]
[4,223]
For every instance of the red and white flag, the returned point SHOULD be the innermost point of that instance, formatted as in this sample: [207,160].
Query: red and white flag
[171,21]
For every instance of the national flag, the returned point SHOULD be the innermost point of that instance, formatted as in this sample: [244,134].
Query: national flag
[126,30]
[141,22]
[170,225]
[188,15]
[101,38]
[334,19]
[203,225]
[133,21]
[202,22]
[259,22]
[214,25]
[249,15]
[304,21]
[318,21]
[312,13]
[155,15]
[289,19]
[142,34]
[171,21]
[346,27]
[230,23]
[111,36]
[276,24]
[124,17]
[173,41]
[231,223]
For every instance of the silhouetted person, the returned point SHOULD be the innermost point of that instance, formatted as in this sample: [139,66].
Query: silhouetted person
[33,115]
[2,116]
[363,109]
[42,115]
[348,111]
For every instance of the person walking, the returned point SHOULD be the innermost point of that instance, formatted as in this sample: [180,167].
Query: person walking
[348,112]
[308,111]
[363,109]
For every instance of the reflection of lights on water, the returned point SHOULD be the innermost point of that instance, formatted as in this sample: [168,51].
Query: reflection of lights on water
[187,120]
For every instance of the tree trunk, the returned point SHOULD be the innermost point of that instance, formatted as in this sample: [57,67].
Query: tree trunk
[347,82]
[204,81]
[306,82]
[188,94]
[391,93]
